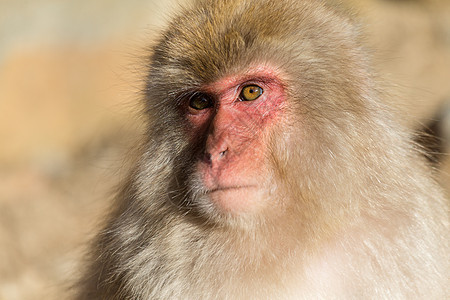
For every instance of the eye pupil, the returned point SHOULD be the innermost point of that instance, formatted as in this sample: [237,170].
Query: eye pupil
[250,93]
[200,101]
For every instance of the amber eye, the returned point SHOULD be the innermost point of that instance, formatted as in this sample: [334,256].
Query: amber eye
[250,93]
[200,101]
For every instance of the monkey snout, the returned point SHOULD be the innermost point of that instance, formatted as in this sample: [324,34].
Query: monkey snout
[214,156]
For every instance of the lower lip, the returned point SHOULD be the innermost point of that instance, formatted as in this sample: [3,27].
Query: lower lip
[232,188]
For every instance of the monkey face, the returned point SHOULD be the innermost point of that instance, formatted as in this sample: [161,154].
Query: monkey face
[244,113]
[233,118]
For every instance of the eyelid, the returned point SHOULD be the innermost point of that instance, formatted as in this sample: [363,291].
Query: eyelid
[183,97]
[262,82]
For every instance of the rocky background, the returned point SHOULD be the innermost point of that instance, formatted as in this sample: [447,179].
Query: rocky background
[70,80]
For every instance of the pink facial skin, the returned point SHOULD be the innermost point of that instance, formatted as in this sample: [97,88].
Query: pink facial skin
[236,137]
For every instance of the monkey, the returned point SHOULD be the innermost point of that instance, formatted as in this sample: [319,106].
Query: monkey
[272,168]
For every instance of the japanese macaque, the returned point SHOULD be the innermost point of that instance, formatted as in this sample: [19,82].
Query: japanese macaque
[271,169]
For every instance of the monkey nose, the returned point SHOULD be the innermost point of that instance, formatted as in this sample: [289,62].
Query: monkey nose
[215,155]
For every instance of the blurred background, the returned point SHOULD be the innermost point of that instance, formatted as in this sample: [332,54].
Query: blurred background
[71,73]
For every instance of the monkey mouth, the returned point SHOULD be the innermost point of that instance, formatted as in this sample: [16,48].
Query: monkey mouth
[229,188]
[234,199]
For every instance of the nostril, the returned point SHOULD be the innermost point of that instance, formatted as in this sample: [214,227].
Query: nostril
[208,157]
[222,154]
